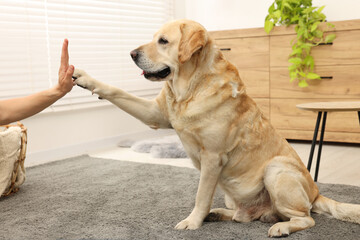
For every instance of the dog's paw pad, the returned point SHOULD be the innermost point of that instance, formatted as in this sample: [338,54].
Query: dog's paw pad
[78,73]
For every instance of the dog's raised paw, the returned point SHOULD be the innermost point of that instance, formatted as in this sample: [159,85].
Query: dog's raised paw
[81,86]
[82,79]
[78,73]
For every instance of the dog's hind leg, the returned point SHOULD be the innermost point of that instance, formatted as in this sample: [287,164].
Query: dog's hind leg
[229,202]
[220,214]
[283,229]
[290,194]
[269,217]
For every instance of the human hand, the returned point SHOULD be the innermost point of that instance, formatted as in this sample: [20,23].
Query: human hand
[66,82]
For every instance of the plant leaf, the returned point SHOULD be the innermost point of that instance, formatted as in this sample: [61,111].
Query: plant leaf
[300,32]
[302,74]
[295,60]
[318,33]
[309,61]
[330,38]
[271,8]
[314,26]
[307,20]
[308,10]
[277,14]
[306,34]
[312,76]
[294,2]
[269,25]
[322,16]
[292,67]
[294,19]
[330,25]
[320,9]
[296,51]
[286,4]
[303,84]
[293,76]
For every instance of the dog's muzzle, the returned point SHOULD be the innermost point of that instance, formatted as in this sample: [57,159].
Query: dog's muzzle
[149,74]
[134,55]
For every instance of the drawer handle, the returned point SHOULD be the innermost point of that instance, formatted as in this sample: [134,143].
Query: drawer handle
[225,49]
[327,77]
[330,43]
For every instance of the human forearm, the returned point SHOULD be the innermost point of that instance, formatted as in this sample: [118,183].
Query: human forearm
[20,108]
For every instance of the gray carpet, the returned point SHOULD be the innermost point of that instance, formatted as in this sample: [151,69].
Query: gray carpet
[90,198]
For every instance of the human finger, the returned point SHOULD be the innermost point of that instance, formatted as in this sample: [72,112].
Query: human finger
[64,56]
[66,83]
[69,73]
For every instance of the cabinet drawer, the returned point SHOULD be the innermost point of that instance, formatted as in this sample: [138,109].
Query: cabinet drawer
[256,81]
[285,115]
[344,50]
[264,105]
[329,136]
[339,82]
[246,52]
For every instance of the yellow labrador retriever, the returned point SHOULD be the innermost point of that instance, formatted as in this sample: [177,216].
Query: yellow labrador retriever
[223,131]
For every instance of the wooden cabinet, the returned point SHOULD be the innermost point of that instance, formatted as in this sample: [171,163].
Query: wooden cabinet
[262,61]
[344,50]
[246,52]
[285,116]
[339,82]
[257,81]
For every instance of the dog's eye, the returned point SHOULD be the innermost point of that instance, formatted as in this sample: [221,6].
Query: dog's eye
[163,41]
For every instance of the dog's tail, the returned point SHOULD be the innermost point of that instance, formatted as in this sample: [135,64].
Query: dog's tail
[342,211]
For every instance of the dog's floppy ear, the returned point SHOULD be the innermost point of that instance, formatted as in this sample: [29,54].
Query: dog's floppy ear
[191,41]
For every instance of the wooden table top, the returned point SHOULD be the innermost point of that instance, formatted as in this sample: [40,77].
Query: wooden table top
[330,106]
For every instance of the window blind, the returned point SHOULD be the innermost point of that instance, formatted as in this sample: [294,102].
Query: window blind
[101,35]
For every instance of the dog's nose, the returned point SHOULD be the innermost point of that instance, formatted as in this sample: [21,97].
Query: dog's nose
[134,54]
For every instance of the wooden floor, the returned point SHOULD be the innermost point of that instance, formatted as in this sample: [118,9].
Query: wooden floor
[340,164]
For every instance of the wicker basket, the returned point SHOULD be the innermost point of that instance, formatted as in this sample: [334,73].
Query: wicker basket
[19,163]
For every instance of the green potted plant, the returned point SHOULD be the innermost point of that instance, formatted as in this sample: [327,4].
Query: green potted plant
[306,19]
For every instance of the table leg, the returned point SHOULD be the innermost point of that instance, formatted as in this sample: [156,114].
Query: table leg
[320,146]
[314,141]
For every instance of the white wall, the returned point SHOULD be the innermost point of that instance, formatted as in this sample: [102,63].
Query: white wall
[235,14]
[227,14]
[56,135]
[75,126]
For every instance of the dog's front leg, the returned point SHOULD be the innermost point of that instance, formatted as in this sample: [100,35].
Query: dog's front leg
[209,175]
[145,110]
